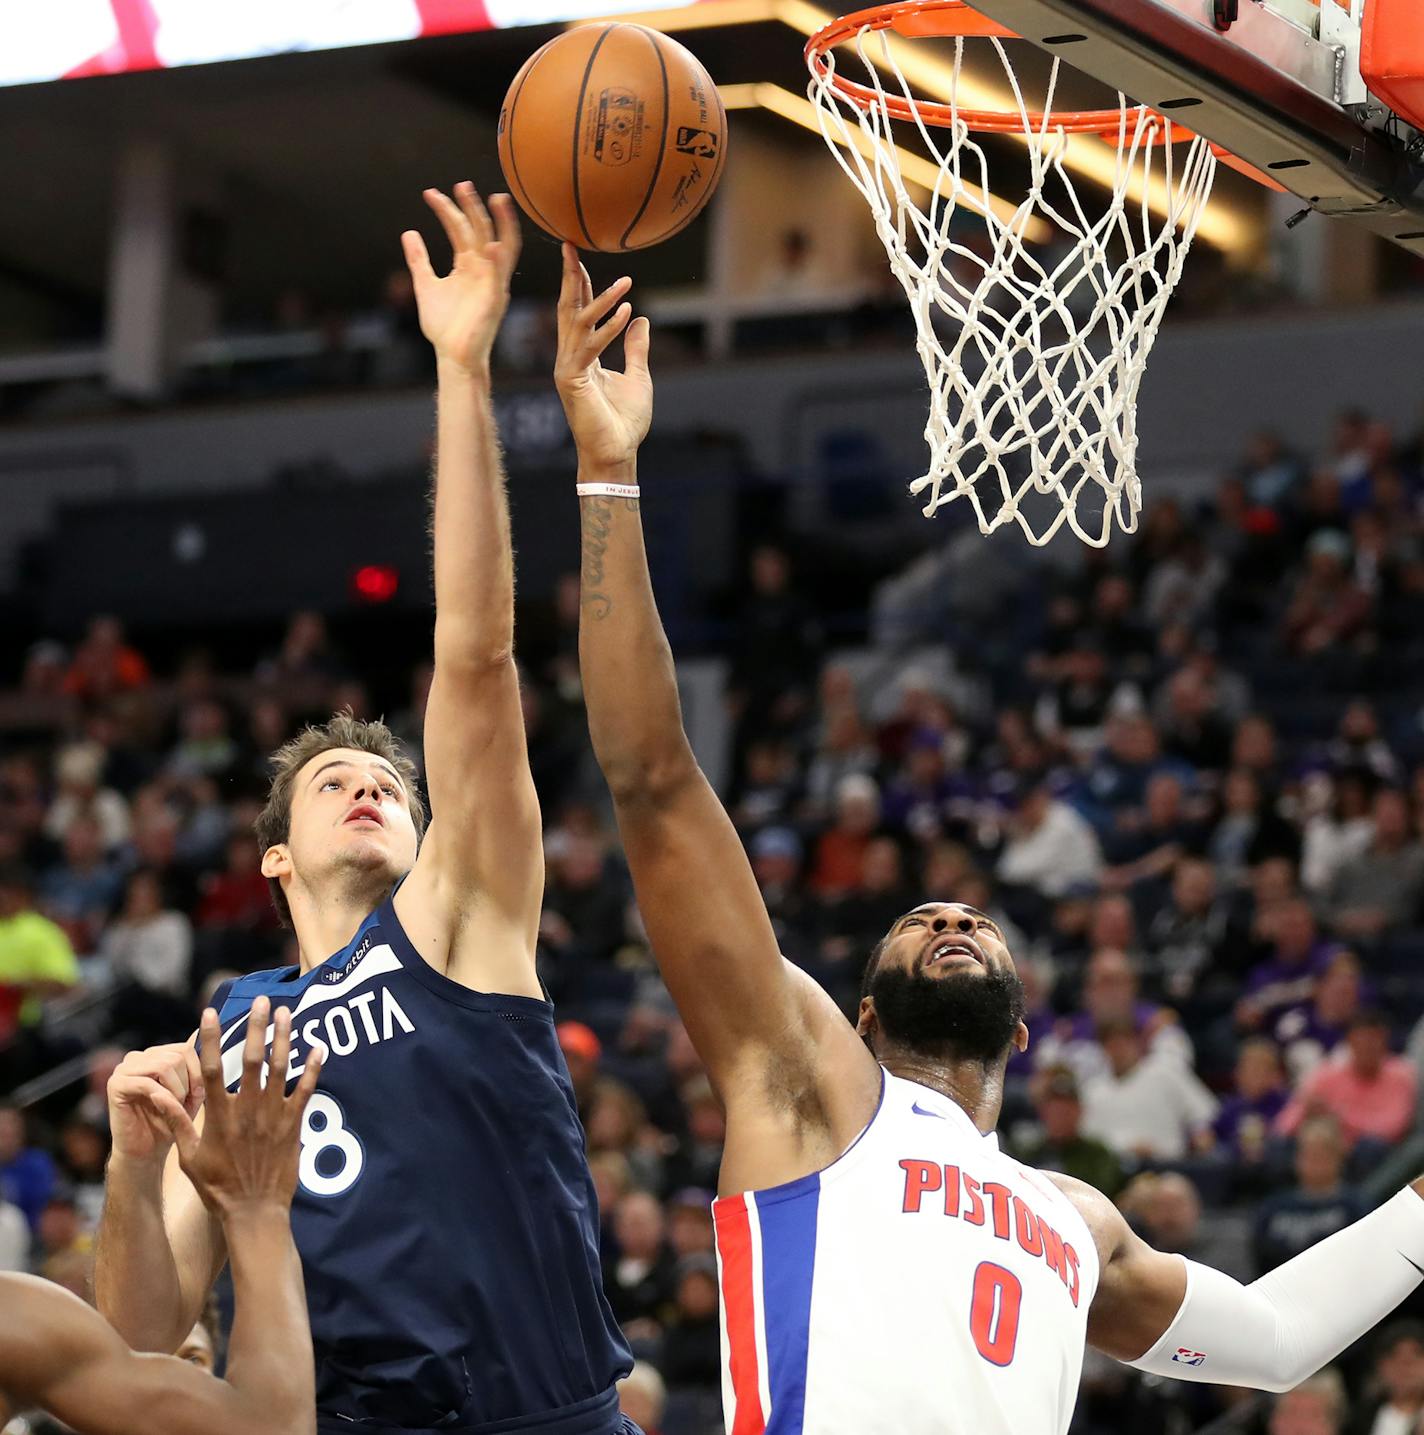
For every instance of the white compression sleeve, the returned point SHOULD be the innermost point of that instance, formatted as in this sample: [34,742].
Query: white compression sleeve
[1273,1333]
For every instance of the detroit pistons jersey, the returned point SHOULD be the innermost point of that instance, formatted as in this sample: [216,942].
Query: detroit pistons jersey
[923,1284]
[444,1212]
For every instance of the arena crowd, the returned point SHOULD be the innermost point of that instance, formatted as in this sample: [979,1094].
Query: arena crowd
[1185,775]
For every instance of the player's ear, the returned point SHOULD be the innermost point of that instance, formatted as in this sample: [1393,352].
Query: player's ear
[277,861]
[1021,1037]
[865,1022]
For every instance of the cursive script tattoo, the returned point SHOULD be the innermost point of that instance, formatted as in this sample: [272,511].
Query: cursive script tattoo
[597,523]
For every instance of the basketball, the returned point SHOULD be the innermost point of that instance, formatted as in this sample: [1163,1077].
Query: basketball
[612,137]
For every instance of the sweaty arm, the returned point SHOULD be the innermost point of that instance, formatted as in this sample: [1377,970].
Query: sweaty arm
[1171,1316]
[472,903]
[751,1015]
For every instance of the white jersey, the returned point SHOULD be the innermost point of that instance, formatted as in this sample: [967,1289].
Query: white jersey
[923,1284]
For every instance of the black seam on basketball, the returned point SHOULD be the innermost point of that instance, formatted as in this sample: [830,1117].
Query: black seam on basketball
[711,183]
[513,147]
[662,138]
[578,124]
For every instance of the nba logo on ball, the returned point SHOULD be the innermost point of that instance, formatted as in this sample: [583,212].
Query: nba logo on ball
[1188,1357]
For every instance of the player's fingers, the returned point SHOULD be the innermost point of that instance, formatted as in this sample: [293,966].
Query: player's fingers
[254,1048]
[507,232]
[180,1125]
[585,286]
[473,208]
[636,344]
[311,1073]
[571,290]
[417,257]
[194,1098]
[452,221]
[595,312]
[281,1051]
[210,1057]
[600,339]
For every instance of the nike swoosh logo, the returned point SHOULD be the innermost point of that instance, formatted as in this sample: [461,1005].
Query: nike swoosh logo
[1415,1264]
[939,1115]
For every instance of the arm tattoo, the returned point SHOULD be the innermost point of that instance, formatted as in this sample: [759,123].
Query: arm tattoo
[597,521]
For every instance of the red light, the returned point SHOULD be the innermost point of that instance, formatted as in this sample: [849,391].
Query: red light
[375,583]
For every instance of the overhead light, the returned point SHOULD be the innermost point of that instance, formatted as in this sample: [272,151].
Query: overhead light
[915,168]
[1227,228]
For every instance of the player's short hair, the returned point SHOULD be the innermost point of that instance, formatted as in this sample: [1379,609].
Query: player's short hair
[274,824]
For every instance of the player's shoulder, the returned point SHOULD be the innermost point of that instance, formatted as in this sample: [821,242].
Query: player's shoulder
[234,996]
[1104,1221]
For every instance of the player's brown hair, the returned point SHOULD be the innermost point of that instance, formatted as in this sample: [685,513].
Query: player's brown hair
[274,824]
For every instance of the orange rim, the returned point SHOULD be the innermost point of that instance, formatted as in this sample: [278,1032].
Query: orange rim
[950,19]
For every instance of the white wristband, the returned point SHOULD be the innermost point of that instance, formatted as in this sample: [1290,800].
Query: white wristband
[609,490]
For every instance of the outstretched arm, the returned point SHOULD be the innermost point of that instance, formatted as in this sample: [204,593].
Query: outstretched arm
[1174,1317]
[58,1354]
[472,904]
[747,1010]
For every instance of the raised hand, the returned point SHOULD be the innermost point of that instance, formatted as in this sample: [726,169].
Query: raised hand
[248,1153]
[608,412]
[140,1132]
[461,313]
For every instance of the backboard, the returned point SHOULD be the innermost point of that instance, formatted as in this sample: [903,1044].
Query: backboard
[1279,83]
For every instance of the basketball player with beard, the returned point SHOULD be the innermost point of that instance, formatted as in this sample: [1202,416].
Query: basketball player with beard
[884,1265]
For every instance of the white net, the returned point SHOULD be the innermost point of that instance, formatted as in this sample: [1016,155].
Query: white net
[1034,320]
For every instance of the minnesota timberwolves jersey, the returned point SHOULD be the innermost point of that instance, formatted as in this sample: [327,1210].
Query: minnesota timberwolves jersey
[444,1213]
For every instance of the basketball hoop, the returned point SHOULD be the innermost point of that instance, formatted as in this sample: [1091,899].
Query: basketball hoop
[1033,356]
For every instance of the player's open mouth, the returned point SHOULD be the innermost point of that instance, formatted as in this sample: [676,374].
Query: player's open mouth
[946,949]
[366,814]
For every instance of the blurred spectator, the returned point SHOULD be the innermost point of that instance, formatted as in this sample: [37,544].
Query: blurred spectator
[1111,995]
[1336,834]
[83,1150]
[692,1347]
[1316,1406]
[1319,1204]
[1249,831]
[36,960]
[642,1397]
[770,784]
[104,664]
[79,771]
[1307,1035]
[1397,1401]
[840,853]
[27,1173]
[1359,748]
[1051,848]
[1370,1092]
[205,747]
[307,663]
[699,1160]
[1166,1209]
[639,1278]
[582,1052]
[238,898]
[775,854]
[1146,1108]
[1058,1143]
[1192,727]
[1286,980]
[583,902]
[1188,930]
[690,1230]
[1246,1119]
[80,893]
[149,943]
[1328,607]
[60,1230]
[1381,889]
[14,1238]
[860,917]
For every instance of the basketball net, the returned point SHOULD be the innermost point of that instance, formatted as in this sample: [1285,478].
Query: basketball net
[1033,352]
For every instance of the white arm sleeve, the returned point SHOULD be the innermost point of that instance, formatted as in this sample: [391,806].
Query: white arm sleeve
[1273,1333]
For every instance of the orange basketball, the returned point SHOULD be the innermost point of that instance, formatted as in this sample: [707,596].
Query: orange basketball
[612,137]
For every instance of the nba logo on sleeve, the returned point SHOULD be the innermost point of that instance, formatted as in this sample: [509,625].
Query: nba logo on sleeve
[1188,1357]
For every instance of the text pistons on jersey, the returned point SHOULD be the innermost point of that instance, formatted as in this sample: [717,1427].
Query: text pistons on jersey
[993,1205]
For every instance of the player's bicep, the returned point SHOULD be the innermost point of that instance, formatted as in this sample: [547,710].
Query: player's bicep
[707,923]
[485,836]
[1139,1295]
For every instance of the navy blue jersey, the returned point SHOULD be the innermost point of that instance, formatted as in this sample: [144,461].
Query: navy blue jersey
[444,1214]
